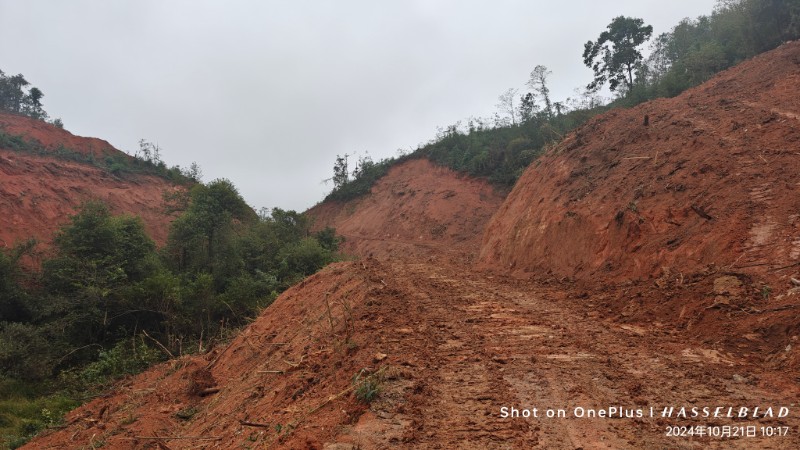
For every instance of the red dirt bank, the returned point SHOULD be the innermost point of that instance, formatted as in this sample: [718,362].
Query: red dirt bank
[712,181]
[39,193]
[418,208]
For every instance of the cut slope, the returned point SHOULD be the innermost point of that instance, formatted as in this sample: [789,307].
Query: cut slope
[416,208]
[38,193]
[711,182]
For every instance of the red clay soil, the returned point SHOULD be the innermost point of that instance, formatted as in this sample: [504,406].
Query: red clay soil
[712,182]
[52,137]
[417,208]
[447,345]
[39,193]
[694,219]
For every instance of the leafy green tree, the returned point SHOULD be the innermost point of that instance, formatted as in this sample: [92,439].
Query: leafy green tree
[303,258]
[97,257]
[615,56]
[17,97]
[527,107]
[15,304]
[328,239]
[201,240]
[341,175]
[29,351]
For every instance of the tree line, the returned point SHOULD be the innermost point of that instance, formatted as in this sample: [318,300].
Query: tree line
[500,148]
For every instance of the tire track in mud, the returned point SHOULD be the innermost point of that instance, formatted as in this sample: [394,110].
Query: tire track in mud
[482,343]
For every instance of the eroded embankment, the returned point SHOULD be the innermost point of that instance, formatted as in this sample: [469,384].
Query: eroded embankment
[418,208]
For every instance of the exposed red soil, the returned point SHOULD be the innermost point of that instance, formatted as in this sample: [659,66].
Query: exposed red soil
[695,219]
[711,182]
[418,208]
[451,343]
[52,137]
[39,193]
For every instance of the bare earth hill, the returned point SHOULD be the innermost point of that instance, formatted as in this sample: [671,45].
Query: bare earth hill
[38,193]
[712,181]
[418,208]
[706,191]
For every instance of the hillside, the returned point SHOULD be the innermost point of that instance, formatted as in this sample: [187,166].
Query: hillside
[39,192]
[710,182]
[418,208]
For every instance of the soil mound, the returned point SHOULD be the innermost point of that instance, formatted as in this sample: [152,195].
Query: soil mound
[289,379]
[418,208]
[38,193]
[710,184]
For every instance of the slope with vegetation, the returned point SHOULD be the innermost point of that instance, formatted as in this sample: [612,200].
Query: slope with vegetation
[48,173]
[111,262]
[708,180]
[107,302]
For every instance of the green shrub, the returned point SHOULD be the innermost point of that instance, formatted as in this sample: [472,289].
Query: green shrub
[125,358]
[367,385]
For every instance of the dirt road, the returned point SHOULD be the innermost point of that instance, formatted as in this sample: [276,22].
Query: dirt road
[455,347]
[470,344]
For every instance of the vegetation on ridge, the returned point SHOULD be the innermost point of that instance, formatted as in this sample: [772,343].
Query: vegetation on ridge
[499,149]
[145,161]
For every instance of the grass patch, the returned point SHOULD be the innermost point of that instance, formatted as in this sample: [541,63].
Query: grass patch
[367,386]
[26,408]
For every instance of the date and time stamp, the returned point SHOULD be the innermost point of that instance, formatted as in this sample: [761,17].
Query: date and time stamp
[727,431]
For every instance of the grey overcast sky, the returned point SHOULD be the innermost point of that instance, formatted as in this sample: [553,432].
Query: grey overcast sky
[267,93]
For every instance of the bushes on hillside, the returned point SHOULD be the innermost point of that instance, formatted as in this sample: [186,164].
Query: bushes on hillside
[106,283]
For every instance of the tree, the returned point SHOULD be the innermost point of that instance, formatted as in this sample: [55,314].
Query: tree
[538,82]
[363,166]
[202,238]
[341,176]
[15,99]
[506,106]
[527,107]
[15,305]
[615,55]
[149,152]
[96,256]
